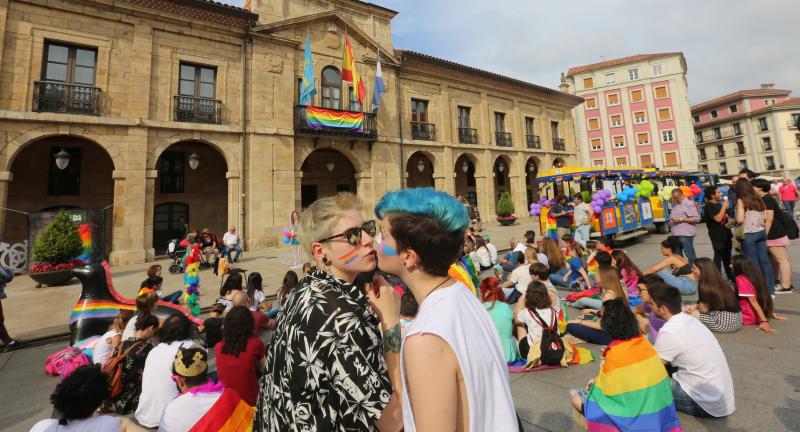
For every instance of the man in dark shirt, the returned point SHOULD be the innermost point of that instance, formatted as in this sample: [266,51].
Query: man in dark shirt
[714,213]
[559,211]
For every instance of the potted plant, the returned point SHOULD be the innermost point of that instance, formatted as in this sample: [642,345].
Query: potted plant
[54,251]
[505,210]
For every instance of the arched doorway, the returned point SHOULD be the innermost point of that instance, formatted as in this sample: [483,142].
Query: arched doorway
[192,184]
[502,183]
[325,173]
[531,188]
[420,171]
[38,183]
[465,179]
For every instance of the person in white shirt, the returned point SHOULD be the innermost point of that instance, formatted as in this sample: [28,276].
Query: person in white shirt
[582,220]
[452,360]
[158,389]
[702,384]
[109,340]
[492,250]
[537,298]
[518,280]
[230,243]
[484,255]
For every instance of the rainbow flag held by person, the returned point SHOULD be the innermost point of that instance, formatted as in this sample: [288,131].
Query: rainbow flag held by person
[458,273]
[228,414]
[322,118]
[550,225]
[632,391]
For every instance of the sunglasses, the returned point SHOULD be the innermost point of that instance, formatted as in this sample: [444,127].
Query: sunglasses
[353,235]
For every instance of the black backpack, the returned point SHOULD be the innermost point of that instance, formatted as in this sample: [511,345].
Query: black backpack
[552,346]
[789,225]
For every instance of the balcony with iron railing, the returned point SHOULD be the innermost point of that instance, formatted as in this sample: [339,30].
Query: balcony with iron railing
[724,134]
[467,135]
[423,131]
[198,110]
[503,139]
[533,141]
[65,98]
[337,123]
[558,144]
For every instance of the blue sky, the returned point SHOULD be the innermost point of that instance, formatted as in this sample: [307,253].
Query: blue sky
[729,44]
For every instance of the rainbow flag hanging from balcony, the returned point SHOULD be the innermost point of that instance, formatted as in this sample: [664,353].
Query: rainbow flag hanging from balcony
[324,118]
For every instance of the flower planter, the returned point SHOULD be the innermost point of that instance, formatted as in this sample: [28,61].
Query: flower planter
[506,220]
[51,278]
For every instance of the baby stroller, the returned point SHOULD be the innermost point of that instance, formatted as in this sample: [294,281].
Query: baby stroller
[175,255]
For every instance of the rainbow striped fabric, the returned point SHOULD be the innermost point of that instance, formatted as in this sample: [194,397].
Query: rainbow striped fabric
[460,274]
[550,225]
[85,309]
[229,413]
[632,392]
[322,118]
[85,233]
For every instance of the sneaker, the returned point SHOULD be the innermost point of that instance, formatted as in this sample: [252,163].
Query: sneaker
[11,346]
[782,290]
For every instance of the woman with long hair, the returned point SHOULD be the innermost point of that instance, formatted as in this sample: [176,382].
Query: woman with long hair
[484,256]
[755,299]
[494,300]
[110,339]
[240,354]
[555,259]
[611,288]
[575,275]
[717,306]
[630,274]
[751,212]
[232,284]
[287,285]
[146,305]
[538,300]
[255,290]
[777,238]
[674,269]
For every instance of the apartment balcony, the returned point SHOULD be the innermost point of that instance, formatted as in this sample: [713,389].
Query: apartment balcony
[503,139]
[767,147]
[423,131]
[467,135]
[533,141]
[558,144]
[198,110]
[740,151]
[319,122]
[725,134]
[65,98]
[720,154]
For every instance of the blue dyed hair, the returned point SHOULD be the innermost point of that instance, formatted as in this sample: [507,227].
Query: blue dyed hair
[440,206]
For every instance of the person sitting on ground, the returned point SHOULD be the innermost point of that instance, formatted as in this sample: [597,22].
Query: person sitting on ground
[509,262]
[574,276]
[492,250]
[202,404]
[494,300]
[154,282]
[610,288]
[106,344]
[701,384]
[518,279]
[212,326]
[452,355]
[555,259]
[240,355]
[566,246]
[158,389]
[232,284]
[230,242]
[538,300]
[76,400]
[262,324]
[632,391]
[134,351]
[287,285]
[484,256]
[408,311]
[145,305]
[255,290]
[530,243]
[674,269]
[589,326]
[755,299]
[630,275]
[717,306]
[649,323]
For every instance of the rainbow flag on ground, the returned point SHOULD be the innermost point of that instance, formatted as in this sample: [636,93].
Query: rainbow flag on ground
[229,413]
[632,392]
[322,118]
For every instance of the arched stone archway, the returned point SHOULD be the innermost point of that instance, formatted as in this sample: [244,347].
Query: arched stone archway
[325,172]
[37,183]
[420,170]
[199,195]
[531,172]
[23,140]
[501,173]
[466,184]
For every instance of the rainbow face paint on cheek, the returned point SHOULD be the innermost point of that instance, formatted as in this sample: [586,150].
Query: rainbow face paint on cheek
[387,250]
[349,257]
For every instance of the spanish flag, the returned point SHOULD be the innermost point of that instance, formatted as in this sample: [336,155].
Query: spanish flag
[350,73]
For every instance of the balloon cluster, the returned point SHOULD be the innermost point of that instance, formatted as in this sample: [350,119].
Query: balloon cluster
[645,188]
[666,192]
[599,199]
[289,237]
[536,208]
[627,194]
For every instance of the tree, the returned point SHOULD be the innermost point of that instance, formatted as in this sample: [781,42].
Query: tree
[59,242]
[505,206]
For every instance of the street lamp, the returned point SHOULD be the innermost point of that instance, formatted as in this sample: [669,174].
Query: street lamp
[194,161]
[465,167]
[62,159]
[501,167]
[330,166]
[531,167]
[421,166]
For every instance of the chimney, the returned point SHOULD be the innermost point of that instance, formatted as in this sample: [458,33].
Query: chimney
[564,87]
[767,86]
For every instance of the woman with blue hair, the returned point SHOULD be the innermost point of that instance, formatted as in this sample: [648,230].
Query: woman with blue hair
[452,358]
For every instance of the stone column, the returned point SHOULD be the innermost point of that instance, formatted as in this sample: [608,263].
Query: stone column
[128,216]
[365,190]
[234,199]
[485,203]
[5,179]
[441,184]
[149,213]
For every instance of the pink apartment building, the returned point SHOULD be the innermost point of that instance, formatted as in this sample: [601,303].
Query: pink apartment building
[636,112]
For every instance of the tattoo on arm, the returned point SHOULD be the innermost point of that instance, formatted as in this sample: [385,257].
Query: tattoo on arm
[392,340]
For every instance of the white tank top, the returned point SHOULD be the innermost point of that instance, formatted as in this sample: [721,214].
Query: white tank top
[455,315]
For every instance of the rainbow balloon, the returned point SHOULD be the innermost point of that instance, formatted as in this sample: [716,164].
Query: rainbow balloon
[323,118]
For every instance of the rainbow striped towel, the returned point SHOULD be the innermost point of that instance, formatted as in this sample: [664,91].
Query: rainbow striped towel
[632,392]
[322,118]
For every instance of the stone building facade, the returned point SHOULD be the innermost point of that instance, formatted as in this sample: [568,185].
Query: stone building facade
[174,109]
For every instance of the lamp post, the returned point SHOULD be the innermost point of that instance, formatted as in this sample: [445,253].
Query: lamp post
[194,161]
[330,166]
[501,167]
[421,166]
[62,159]
[465,167]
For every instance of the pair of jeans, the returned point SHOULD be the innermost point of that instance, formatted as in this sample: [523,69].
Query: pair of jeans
[227,251]
[557,278]
[587,303]
[687,247]
[684,403]
[722,256]
[173,298]
[581,235]
[685,285]
[789,206]
[754,247]
[588,334]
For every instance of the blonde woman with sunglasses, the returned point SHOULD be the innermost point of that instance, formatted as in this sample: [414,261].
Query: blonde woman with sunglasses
[329,367]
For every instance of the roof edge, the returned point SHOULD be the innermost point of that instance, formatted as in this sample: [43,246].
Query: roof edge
[739,94]
[621,61]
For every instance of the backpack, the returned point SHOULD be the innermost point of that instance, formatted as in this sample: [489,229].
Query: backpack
[113,368]
[65,361]
[790,225]
[552,347]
